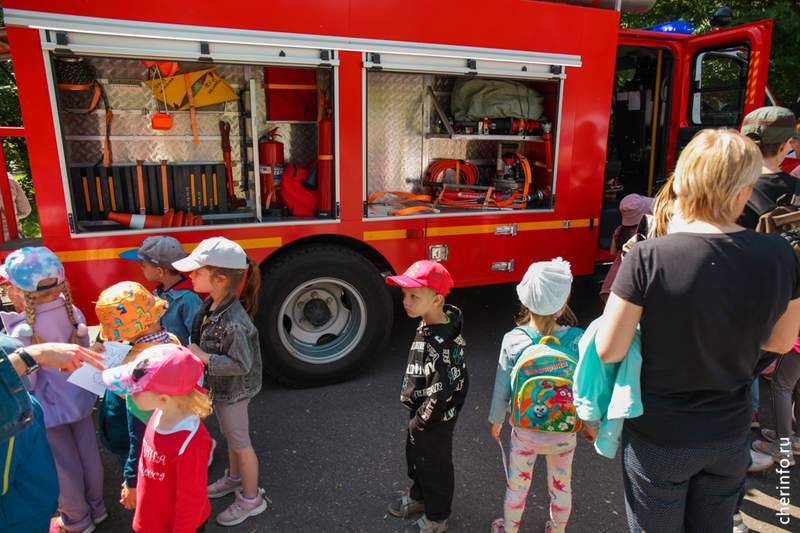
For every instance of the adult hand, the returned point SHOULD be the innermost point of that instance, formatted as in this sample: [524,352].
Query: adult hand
[494,429]
[67,357]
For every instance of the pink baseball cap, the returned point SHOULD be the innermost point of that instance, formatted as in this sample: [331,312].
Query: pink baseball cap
[424,274]
[164,369]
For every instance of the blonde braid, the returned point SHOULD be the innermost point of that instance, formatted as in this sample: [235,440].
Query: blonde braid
[68,300]
[30,316]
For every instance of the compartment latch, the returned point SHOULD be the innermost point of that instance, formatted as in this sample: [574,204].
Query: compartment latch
[508,267]
[506,230]
[438,252]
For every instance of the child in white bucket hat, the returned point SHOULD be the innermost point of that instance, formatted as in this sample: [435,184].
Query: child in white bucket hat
[544,292]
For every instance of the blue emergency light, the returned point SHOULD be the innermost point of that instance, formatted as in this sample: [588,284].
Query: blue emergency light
[676,26]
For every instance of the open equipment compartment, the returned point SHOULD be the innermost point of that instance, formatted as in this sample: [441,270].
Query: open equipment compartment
[177,174]
[412,133]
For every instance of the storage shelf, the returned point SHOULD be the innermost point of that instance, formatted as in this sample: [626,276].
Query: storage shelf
[474,137]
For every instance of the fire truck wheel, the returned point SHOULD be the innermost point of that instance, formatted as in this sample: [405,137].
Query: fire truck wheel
[324,313]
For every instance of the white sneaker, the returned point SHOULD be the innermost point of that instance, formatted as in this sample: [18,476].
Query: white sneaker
[738,524]
[760,461]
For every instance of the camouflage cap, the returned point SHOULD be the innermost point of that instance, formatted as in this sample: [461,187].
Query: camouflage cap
[773,124]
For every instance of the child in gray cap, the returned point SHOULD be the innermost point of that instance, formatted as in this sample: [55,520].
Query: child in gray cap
[156,255]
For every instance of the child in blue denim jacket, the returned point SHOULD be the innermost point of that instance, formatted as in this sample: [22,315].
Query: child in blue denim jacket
[225,339]
[157,254]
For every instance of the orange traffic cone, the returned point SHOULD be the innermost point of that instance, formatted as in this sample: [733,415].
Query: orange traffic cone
[188,220]
[143,221]
[177,221]
[198,221]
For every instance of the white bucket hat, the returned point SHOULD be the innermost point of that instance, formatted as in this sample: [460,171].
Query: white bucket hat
[216,251]
[546,286]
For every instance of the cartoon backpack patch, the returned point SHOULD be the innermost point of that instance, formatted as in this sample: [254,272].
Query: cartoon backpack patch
[541,382]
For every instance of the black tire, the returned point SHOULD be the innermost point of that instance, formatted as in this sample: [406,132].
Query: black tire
[324,314]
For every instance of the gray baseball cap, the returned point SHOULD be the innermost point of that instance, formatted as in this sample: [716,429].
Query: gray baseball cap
[158,250]
[773,124]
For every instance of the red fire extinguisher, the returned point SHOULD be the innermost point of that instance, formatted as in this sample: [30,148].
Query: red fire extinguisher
[270,156]
[325,164]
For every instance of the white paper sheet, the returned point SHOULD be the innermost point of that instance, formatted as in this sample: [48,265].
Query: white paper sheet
[90,378]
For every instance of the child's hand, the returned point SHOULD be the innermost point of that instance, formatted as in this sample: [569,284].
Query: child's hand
[494,429]
[590,434]
[128,497]
[195,349]
[97,347]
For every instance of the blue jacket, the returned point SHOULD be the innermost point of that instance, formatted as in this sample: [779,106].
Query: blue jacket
[183,305]
[29,483]
[608,391]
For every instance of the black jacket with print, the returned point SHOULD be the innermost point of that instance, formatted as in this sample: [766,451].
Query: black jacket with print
[436,381]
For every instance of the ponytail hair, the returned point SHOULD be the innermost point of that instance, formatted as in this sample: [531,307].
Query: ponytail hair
[30,317]
[252,285]
[664,208]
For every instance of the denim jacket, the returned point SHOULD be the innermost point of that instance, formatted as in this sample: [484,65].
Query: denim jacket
[16,410]
[183,305]
[231,339]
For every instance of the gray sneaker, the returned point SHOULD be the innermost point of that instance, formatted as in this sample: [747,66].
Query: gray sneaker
[406,506]
[223,486]
[241,509]
[423,525]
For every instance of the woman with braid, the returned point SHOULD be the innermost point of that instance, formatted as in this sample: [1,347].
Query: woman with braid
[37,278]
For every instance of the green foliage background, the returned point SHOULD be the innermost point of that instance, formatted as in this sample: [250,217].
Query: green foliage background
[784,75]
[16,149]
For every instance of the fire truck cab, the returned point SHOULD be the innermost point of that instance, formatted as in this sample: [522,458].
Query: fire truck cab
[340,141]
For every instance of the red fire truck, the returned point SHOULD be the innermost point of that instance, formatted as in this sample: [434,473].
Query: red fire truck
[292,127]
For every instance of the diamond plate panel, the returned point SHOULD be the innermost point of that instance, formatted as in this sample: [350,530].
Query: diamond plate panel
[462,149]
[394,129]
[138,98]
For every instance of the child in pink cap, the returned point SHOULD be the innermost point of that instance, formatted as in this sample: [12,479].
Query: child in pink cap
[633,207]
[173,467]
[434,389]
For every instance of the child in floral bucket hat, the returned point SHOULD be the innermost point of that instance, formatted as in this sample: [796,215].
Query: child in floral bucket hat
[128,313]
[176,446]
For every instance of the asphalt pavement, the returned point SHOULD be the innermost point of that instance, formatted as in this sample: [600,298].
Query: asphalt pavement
[332,458]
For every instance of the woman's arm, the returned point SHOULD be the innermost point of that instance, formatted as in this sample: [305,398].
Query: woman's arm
[621,318]
[784,332]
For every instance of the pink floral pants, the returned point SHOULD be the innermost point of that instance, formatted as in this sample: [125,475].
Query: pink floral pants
[559,474]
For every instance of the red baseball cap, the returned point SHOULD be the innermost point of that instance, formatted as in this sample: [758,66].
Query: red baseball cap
[424,274]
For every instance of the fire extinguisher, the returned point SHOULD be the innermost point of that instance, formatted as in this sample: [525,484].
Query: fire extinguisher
[270,156]
[325,157]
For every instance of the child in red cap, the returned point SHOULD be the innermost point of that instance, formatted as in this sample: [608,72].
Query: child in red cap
[434,389]
[173,471]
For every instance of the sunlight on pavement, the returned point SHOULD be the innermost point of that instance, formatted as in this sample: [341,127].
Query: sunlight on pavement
[774,506]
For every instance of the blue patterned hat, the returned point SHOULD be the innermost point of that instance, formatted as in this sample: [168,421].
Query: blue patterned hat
[26,267]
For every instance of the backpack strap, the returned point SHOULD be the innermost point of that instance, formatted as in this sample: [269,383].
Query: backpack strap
[760,203]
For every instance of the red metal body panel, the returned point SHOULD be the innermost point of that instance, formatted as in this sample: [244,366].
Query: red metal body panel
[582,131]
[317,17]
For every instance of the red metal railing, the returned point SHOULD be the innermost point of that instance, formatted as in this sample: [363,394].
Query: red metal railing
[5,188]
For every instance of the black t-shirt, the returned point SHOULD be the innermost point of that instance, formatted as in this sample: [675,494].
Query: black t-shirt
[773,186]
[709,302]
